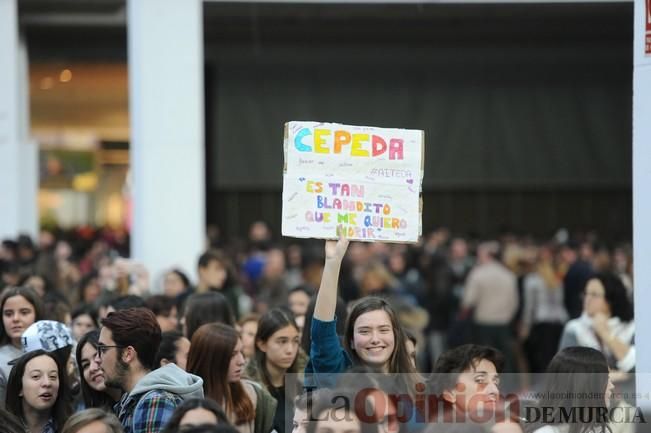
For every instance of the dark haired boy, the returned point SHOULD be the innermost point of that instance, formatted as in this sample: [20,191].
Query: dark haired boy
[128,343]
[467,380]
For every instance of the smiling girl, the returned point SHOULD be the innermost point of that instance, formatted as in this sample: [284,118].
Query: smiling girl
[373,337]
[93,389]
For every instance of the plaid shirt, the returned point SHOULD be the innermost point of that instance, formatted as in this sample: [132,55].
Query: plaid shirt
[50,426]
[148,412]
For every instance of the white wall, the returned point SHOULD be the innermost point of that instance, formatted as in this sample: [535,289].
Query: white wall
[165,51]
[642,200]
[18,154]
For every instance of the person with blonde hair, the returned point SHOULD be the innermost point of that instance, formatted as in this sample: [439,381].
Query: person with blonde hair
[89,420]
[543,312]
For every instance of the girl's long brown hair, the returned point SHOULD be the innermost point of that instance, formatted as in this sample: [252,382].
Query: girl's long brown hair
[14,403]
[211,350]
[399,361]
[272,321]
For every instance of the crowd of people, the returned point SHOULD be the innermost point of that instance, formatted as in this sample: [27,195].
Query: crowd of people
[274,337]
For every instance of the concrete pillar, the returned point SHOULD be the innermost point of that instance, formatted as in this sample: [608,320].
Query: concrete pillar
[18,154]
[166,110]
[642,194]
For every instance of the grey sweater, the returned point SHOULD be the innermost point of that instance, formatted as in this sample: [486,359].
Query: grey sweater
[8,352]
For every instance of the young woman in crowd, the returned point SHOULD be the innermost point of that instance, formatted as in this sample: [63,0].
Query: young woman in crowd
[577,381]
[94,391]
[164,308]
[277,354]
[196,411]
[91,421]
[376,280]
[299,301]
[20,307]
[606,323]
[174,347]
[543,311]
[248,327]
[37,392]
[90,289]
[37,282]
[176,284]
[373,337]
[216,356]
[202,308]
[84,320]
[217,273]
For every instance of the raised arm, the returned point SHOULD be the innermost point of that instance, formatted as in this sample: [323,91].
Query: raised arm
[326,299]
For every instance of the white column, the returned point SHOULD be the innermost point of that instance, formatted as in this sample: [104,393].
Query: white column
[642,196]
[18,154]
[165,39]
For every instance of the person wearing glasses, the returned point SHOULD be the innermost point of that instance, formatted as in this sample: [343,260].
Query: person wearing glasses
[606,323]
[127,347]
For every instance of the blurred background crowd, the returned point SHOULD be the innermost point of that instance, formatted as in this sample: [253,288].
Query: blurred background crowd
[82,273]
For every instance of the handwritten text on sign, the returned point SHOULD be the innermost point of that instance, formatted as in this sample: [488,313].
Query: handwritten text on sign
[361,182]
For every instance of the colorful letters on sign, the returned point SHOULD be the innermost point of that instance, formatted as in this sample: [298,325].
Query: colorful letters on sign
[360,182]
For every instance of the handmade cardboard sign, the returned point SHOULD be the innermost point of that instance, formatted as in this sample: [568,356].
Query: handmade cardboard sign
[358,181]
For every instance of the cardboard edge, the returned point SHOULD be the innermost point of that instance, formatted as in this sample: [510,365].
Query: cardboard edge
[285,148]
[422,176]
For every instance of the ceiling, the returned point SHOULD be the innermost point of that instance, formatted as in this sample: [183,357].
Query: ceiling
[90,38]
[95,30]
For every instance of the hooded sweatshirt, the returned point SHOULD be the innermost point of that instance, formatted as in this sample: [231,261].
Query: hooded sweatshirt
[151,403]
